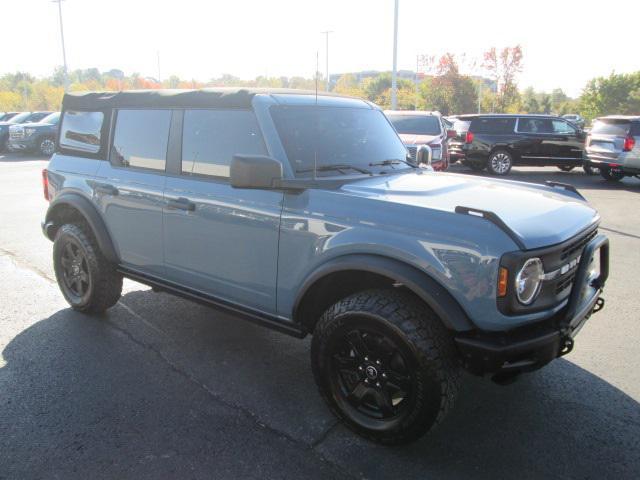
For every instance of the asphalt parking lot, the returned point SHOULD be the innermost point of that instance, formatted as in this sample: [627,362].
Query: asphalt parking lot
[160,387]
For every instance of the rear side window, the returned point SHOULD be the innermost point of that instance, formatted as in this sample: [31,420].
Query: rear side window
[80,131]
[140,138]
[535,125]
[562,127]
[211,138]
[618,128]
[493,125]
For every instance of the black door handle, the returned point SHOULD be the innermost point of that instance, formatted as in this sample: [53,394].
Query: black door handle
[181,204]
[106,189]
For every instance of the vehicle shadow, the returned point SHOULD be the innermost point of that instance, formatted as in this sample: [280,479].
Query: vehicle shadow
[576,178]
[160,374]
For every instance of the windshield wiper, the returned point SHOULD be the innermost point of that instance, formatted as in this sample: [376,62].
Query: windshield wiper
[335,166]
[392,161]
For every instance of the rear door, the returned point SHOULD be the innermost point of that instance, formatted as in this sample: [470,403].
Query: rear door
[129,187]
[606,138]
[220,240]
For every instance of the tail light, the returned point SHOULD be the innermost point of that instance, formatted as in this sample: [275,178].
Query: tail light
[629,143]
[468,137]
[45,184]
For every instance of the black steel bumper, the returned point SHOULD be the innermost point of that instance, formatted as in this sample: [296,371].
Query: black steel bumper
[530,348]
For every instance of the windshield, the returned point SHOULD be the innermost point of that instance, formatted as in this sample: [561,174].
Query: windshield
[355,137]
[21,117]
[415,124]
[52,118]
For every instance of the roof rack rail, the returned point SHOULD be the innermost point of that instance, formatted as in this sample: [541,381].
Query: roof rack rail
[495,219]
[566,186]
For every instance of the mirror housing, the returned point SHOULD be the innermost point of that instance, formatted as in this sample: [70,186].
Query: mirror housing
[424,155]
[451,133]
[254,171]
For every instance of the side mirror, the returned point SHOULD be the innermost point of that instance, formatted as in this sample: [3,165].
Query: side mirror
[254,171]
[451,133]
[424,155]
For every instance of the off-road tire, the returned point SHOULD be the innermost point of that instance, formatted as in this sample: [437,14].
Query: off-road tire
[435,370]
[104,285]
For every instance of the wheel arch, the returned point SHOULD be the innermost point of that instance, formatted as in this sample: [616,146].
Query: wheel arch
[504,146]
[343,276]
[70,207]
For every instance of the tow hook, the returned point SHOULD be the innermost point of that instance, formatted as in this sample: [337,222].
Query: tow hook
[599,305]
[567,346]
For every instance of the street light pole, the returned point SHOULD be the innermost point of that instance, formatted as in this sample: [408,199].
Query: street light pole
[394,73]
[64,53]
[326,34]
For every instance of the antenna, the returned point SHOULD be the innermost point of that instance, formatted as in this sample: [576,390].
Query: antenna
[315,147]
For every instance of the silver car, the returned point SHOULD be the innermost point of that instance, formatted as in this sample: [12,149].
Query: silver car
[613,146]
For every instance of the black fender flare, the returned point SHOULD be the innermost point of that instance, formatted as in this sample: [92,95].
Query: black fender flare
[90,214]
[420,283]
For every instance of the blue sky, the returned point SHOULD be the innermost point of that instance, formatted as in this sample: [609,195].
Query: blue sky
[565,42]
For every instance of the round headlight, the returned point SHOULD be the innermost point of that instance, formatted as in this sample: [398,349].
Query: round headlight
[529,280]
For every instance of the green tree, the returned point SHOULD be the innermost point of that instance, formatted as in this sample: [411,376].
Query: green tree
[448,91]
[504,67]
[617,93]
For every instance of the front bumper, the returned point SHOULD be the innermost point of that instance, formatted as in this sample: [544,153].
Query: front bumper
[20,145]
[532,347]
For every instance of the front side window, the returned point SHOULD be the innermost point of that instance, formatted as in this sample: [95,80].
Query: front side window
[81,131]
[140,138]
[358,139]
[415,125]
[52,118]
[561,127]
[211,138]
[36,117]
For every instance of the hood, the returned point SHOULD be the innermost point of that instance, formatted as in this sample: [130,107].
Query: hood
[35,124]
[541,216]
[409,139]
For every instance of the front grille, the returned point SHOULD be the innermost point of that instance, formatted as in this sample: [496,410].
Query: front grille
[565,283]
[412,152]
[570,250]
[16,134]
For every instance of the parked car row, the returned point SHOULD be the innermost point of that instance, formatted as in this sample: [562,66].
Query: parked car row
[29,131]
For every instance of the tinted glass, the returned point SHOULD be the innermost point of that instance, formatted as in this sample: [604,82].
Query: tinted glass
[52,118]
[415,125]
[635,129]
[619,128]
[535,125]
[140,138]
[562,127]
[211,138]
[36,117]
[81,131]
[20,117]
[493,125]
[336,135]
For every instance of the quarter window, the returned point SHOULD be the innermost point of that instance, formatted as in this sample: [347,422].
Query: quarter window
[211,138]
[80,131]
[535,125]
[493,125]
[140,138]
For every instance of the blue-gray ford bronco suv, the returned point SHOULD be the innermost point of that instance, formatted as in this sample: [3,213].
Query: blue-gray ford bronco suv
[303,213]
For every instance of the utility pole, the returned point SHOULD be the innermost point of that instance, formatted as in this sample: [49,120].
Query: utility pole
[159,79]
[326,34]
[394,73]
[64,53]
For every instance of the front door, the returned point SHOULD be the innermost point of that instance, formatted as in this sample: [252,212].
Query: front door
[569,143]
[219,240]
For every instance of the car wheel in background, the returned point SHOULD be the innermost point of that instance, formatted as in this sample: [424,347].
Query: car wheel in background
[500,162]
[611,175]
[385,365]
[589,170]
[47,146]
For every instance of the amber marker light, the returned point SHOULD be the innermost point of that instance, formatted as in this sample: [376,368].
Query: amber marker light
[503,275]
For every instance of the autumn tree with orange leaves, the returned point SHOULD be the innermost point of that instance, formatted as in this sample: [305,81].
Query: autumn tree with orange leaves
[504,66]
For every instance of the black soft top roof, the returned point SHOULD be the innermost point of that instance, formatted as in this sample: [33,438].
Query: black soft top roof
[206,97]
